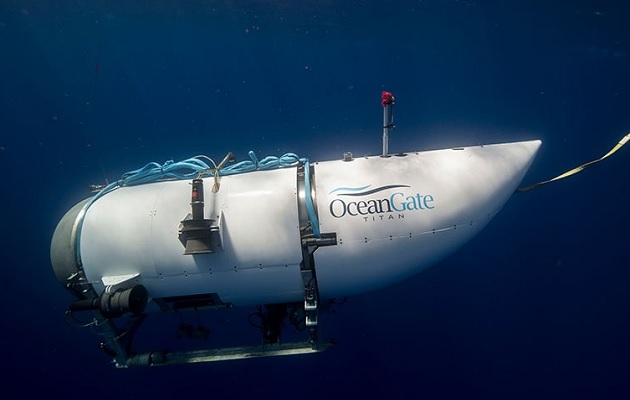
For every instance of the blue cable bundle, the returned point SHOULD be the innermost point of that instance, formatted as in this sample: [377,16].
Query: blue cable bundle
[267,163]
[195,166]
[153,172]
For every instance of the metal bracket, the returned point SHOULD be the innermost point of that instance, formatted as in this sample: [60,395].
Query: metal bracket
[310,243]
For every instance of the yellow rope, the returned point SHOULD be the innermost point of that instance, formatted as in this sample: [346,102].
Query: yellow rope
[575,170]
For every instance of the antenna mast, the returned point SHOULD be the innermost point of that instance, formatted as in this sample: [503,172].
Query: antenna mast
[387,100]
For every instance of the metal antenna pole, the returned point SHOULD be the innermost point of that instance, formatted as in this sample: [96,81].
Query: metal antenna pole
[387,99]
[385,131]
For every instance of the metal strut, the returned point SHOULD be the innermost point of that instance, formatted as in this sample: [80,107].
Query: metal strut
[311,240]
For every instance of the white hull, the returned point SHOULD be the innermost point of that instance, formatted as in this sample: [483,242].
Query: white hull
[393,217]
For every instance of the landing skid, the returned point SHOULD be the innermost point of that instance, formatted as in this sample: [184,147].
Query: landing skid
[224,354]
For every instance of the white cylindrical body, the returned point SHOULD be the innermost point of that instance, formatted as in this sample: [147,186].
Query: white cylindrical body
[393,217]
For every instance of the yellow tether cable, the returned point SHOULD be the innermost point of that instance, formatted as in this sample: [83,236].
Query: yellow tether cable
[575,170]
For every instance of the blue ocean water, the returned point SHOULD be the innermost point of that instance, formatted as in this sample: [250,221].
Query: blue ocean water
[536,306]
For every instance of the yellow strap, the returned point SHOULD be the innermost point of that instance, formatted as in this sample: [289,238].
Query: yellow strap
[575,170]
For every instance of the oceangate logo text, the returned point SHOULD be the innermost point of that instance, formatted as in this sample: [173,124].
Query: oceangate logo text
[397,200]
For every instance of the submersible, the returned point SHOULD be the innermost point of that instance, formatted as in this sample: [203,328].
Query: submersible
[283,233]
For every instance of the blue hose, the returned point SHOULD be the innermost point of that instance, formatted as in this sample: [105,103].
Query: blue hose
[193,167]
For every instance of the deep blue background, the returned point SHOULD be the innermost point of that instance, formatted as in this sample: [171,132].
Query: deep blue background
[536,306]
